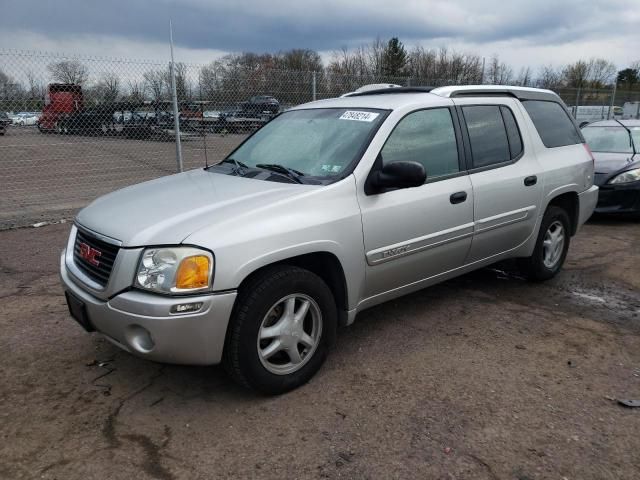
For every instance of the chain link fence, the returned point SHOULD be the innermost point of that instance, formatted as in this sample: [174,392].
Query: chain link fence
[79,127]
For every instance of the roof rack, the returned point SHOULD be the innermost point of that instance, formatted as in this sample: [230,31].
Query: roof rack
[384,91]
[521,93]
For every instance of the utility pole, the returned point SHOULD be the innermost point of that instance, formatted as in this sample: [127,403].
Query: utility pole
[313,86]
[613,98]
[176,113]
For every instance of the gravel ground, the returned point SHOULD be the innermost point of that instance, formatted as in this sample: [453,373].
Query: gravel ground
[483,377]
[48,177]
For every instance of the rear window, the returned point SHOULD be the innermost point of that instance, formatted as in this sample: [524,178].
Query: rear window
[515,141]
[487,134]
[553,123]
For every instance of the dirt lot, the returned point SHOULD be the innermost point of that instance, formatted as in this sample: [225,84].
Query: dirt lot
[48,177]
[483,377]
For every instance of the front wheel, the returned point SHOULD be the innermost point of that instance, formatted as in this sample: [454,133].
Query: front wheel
[283,323]
[551,246]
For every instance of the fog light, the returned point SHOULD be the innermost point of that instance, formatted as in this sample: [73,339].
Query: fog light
[186,307]
[139,338]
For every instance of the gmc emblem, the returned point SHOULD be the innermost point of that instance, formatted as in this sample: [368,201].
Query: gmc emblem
[90,254]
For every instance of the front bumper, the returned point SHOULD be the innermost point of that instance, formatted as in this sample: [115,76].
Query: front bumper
[141,323]
[622,199]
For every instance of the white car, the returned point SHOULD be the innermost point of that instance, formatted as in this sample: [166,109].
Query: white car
[26,118]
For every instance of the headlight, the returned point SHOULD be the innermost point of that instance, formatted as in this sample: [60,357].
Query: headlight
[626,177]
[175,270]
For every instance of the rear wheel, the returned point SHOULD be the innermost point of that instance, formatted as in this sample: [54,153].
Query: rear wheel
[551,246]
[283,323]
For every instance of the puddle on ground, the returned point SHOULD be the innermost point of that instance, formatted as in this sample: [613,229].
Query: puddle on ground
[618,302]
[593,298]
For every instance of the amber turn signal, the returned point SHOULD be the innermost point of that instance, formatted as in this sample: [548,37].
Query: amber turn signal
[193,272]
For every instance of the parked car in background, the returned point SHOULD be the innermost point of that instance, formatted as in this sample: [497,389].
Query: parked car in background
[330,208]
[5,121]
[260,104]
[26,118]
[616,148]
[585,114]
[631,110]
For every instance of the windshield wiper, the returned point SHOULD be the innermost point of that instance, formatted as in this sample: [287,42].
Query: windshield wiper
[288,172]
[633,144]
[240,167]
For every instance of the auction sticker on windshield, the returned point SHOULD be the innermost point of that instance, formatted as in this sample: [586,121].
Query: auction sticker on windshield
[359,116]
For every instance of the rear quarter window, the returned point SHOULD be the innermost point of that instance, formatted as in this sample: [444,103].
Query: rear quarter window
[552,123]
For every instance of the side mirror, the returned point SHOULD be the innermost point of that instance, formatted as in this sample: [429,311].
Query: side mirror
[396,175]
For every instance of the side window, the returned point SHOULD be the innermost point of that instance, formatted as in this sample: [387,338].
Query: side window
[425,136]
[487,134]
[553,123]
[513,133]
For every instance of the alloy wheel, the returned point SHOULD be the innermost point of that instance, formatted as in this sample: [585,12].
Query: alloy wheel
[289,334]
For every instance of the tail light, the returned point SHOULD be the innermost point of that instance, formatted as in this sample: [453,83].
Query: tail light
[590,176]
[593,160]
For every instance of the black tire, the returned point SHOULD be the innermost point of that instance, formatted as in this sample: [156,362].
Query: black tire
[255,300]
[534,267]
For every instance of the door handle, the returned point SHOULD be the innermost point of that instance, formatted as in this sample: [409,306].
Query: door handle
[530,181]
[458,197]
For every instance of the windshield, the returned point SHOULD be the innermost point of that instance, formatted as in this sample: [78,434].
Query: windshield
[635,133]
[608,139]
[320,143]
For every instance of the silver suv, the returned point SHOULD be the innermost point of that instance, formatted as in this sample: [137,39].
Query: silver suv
[331,208]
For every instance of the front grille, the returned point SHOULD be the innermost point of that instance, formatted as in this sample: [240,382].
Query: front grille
[103,253]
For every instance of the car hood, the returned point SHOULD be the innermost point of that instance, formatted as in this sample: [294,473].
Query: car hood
[169,209]
[612,162]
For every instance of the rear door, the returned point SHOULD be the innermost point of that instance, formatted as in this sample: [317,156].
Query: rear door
[504,172]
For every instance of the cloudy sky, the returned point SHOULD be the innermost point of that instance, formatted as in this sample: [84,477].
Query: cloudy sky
[521,32]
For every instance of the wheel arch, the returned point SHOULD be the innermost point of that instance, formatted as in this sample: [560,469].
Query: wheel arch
[570,203]
[326,265]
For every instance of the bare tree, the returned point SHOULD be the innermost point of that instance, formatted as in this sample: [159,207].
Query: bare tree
[602,72]
[9,88]
[108,87]
[443,66]
[375,55]
[525,77]
[69,71]
[422,63]
[350,62]
[549,77]
[183,87]
[209,80]
[592,73]
[154,81]
[136,91]
[300,60]
[499,73]
[576,75]
[36,88]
